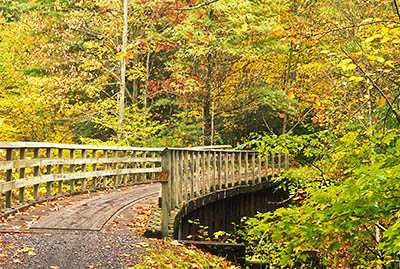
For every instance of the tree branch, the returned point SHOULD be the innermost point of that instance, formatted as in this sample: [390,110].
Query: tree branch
[198,6]
[397,8]
[376,86]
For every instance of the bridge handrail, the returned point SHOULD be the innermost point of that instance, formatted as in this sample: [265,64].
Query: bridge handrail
[189,173]
[30,164]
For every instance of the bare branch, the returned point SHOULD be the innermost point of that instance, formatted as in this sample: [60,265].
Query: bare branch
[198,6]
[397,8]
[376,86]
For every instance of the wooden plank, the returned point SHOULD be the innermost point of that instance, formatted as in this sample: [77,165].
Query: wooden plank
[240,168]
[208,171]
[77,161]
[192,172]
[94,213]
[125,166]
[253,168]
[273,164]
[203,172]
[15,184]
[38,145]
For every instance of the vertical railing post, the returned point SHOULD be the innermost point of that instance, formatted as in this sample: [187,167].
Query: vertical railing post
[114,166]
[164,178]
[35,174]
[214,175]
[246,167]
[220,170]
[253,168]
[125,166]
[153,165]
[226,156]
[279,163]
[192,171]
[286,161]
[233,169]
[60,171]
[84,180]
[48,172]
[240,168]
[198,175]
[273,164]
[105,168]
[21,176]
[259,167]
[72,170]
[8,178]
[94,168]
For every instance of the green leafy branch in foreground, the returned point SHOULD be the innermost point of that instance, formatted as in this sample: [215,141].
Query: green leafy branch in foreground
[352,221]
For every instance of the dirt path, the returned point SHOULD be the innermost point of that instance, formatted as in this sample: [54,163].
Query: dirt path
[117,244]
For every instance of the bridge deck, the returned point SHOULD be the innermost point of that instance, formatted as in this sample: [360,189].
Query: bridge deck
[87,212]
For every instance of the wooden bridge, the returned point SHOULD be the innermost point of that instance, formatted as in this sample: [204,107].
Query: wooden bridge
[32,172]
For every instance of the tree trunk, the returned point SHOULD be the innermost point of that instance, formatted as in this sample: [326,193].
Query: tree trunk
[123,72]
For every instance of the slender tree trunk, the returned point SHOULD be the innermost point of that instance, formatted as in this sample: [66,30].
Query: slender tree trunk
[123,71]
[146,86]
[207,104]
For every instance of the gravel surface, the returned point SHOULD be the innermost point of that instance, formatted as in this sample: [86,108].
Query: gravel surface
[71,249]
[118,245]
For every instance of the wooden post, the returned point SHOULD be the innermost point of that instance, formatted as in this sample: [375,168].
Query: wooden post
[84,180]
[208,169]
[164,177]
[233,169]
[259,167]
[279,163]
[266,166]
[35,174]
[220,170]
[198,175]
[240,168]
[246,167]
[134,179]
[175,171]
[214,175]
[253,168]
[203,172]
[114,166]
[94,168]
[8,178]
[226,156]
[48,172]
[72,170]
[192,171]
[153,165]
[105,155]
[273,164]
[125,176]
[143,175]
[286,161]
[60,171]
[185,176]
[22,176]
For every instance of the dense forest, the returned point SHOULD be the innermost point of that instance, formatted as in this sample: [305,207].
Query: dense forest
[319,80]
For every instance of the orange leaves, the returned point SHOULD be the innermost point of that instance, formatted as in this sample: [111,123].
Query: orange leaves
[281,115]
[206,38]
[382,102]
[188,36]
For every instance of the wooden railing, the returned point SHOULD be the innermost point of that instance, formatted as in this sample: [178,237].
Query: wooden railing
[36,170]
[190,173]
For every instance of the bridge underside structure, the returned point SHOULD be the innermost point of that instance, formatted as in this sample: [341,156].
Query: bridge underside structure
[222,210]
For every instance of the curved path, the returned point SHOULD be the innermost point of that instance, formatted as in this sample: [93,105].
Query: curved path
[93,213]
[94,230]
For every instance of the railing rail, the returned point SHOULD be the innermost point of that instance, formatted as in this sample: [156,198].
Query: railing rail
[188,173]
[37,170]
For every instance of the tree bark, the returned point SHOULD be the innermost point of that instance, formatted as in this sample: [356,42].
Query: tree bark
[123,72]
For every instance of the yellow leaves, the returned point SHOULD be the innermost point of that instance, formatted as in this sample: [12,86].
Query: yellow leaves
[356,79]
[291,95]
